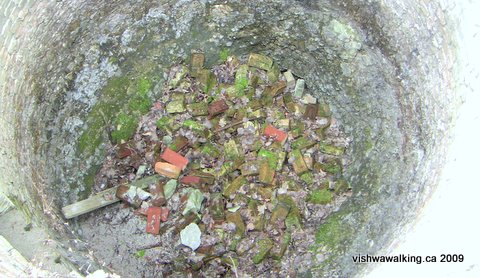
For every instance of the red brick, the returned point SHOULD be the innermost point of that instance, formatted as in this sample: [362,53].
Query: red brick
[190,180]
[153,220]
[279,135]
[174,158]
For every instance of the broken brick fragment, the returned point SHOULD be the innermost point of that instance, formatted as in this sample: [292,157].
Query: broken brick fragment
[190,180]
[121,192]
[217,107]
[153,220]
[158,195]
[179,143]
[311,111]
[164,214]
[174,158]
[279,135]
[124,151]
[168,170]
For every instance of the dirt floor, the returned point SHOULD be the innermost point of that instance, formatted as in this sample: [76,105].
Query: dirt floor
[33,244]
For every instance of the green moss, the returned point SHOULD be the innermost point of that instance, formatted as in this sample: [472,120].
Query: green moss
[333,233]
[210,149]
[163,122]
[144,85]
[241,84]
[193,125]
[126,126]
[307,177]
[320,197]
[271,157]
[102,115]
[332,166]
[140,104]
[140,253]
[294,217]
[224,53]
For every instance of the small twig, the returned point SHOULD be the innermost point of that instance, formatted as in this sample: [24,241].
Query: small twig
[150,246]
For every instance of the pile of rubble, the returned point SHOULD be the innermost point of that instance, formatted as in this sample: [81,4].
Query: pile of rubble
[240,148]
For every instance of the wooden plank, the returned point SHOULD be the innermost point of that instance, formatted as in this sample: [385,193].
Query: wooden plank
[102,199]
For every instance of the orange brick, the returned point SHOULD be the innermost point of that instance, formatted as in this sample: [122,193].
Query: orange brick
[168,170]
[174,158]
[279,135]
[153,220]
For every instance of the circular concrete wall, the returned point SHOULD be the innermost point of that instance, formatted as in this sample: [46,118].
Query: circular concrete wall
[386,68]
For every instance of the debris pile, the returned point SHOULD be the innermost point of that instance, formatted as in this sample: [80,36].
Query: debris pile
[241,148]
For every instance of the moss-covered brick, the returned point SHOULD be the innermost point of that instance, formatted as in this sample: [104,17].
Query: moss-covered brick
[279,214]
[260,61]
[266,173]
[271,157]
[177,78]
[241,80]
[331,166]
[294,218]
[233,186]
[231,149]
[297,161]
[308,178]
[176,106]
[262,250]
[196,63]
[217,207]
[210,150]
[207,80]
[193,125]
[302,143]
[226,168]
[320,196]
[297,129]
[273,73]
[330,149]
[236,218]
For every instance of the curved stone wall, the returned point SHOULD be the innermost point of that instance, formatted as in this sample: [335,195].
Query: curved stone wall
[385,68]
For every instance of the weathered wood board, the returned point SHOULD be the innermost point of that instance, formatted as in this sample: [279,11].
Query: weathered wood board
[102,199]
